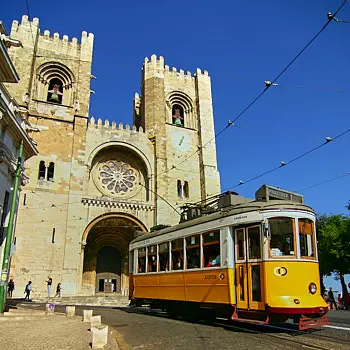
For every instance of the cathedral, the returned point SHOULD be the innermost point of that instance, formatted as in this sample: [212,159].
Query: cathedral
[97,184]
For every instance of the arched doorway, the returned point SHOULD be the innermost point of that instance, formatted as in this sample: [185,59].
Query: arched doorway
[105,253]
[108,270]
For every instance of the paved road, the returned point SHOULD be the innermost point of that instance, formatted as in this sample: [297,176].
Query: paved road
[141,329]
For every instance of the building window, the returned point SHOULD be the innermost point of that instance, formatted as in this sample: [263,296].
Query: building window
[179,189]
[186,190]
[182,189]
[55,84]
[51,171]
[3,217]
[55,92]
[42,170]
[180,110]
[178,115]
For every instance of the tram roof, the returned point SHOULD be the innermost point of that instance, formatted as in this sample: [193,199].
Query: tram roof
[244,207]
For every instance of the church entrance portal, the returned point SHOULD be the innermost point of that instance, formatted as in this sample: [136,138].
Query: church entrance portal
[108,270]
[105,253]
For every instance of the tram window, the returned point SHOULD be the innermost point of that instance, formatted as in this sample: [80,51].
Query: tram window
[282,237]
[141,261]
[256,285]
[211,249]
[193,252]
[163,256]
[177,254]
[306,238]
[240,244]
[152,258]
[254,242]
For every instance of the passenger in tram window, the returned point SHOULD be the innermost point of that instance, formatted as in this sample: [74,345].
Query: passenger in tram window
[216,261]
[194,260]
[152,266]
[142,266]
[210,262]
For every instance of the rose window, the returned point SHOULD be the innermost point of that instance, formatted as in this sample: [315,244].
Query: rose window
[117,177]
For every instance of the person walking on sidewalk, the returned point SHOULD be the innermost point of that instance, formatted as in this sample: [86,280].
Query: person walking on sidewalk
[49,283]
[27,290]
[10,287]
[58,290]
[331,299]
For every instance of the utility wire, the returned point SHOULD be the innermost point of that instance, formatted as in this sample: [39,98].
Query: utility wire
[30,23]
[323,182]
[268,85]
[162,198]
[283,164]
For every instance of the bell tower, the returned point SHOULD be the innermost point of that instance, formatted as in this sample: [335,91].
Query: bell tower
[175,108]
[54,90]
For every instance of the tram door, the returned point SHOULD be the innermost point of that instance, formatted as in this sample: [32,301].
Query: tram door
[248,268]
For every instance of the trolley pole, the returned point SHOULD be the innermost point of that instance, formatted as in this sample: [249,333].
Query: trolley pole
[7,248]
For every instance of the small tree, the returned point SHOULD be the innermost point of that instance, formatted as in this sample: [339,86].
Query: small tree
[334,247]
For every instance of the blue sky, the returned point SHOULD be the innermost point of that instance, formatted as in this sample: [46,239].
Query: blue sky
[241,44]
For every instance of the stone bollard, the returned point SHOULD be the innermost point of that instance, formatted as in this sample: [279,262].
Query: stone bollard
[87,314]
[70,311]
[99,336]
[95,321]
[50,309]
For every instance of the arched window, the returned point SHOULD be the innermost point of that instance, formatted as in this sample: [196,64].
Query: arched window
[186,190]
[180,110]
[55,83]
[50,171]
[179,189]
[178,115]
[55,92]
[42,170]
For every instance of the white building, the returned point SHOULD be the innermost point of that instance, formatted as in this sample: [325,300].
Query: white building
[12,131]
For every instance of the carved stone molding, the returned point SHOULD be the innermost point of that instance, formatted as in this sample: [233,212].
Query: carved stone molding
[114,203]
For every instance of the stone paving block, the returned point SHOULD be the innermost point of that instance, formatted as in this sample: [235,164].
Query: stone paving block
[70,311]
[99,336]
[87,314]
[95,321]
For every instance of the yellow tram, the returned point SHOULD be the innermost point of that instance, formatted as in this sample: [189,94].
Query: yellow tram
[249,259]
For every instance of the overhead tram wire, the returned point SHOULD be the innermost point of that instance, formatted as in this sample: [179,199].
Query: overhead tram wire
[30,23]
[323,182]
[158,195]
[282,165]
[268,84]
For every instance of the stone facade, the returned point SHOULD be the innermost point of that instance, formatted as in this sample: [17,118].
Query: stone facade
[95,183]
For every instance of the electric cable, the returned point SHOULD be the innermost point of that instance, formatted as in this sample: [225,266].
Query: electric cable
[268,84]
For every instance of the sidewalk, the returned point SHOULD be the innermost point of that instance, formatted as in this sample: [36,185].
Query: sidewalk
[34,330]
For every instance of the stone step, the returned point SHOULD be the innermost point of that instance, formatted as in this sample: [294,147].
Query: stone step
[117,300]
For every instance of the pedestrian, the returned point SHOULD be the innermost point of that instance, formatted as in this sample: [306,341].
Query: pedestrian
[27,290]
[10,287]
[49,283]
[331,299]
[58,290]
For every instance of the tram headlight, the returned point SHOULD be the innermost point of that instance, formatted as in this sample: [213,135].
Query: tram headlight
[312,288]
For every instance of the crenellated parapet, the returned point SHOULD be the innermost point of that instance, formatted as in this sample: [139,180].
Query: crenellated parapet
[155,67]
[27,27]
[106,125]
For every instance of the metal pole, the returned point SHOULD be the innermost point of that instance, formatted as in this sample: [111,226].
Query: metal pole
[7,249]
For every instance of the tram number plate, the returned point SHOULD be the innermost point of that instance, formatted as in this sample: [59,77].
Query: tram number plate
[221,276]
[210,277]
